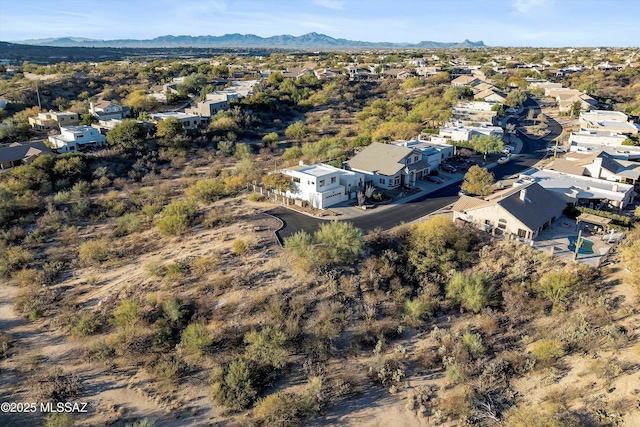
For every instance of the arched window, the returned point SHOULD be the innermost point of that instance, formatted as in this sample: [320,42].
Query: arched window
[502,223]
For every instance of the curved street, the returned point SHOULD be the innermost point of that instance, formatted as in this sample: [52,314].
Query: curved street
[532,151]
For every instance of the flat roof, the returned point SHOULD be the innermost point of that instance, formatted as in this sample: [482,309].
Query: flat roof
[79,128]
[572,186]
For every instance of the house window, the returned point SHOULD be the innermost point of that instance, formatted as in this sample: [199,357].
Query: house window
[382,181]
[333,179]
[322,183]
[296,179]
[502,223]
[522,233]
[415,159]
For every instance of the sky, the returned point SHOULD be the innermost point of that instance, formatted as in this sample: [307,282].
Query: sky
[537,23]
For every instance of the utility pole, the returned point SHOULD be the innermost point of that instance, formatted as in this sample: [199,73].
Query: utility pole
[38,93]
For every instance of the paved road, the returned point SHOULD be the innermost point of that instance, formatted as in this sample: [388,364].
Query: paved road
[533,150]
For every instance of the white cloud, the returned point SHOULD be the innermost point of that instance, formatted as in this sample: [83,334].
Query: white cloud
[527,6]
[330,4]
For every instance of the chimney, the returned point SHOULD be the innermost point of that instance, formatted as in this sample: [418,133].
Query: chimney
[523,194]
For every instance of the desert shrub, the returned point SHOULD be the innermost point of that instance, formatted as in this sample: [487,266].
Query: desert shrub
[142,423]
[303,249]
[112,205]
[172,311]
[436,245]
[239,247]
[255,197]
[87,324]
[101,350]
[34,300]
[556,286]
[6,342]
[126,313]
[454,372]
[474,344]
[339,241]
[417,310]
[177,217]
[547,351]
[95,251]
[196,339]
[283,410]
[62,197]
[207,190]
[59,419]
[54,385]
[173,225]
[173,271]
[548,416]
[80,209]
[165,369]
[13,258]
[155,267]
[126,224]
[386,370]
[473,292]
[266,347]
[239,384]
[150,210]
[27,276]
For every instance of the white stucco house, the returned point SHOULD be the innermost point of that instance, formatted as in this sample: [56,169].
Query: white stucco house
[323,185]
[76,138]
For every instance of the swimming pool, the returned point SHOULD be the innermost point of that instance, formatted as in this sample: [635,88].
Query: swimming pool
[586,248]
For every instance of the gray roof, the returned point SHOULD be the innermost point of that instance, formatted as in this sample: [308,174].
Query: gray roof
[538,206]
[381,158]
[20,151]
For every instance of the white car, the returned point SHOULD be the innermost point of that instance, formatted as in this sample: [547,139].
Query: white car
[503,160]
[558,149]
[508,149]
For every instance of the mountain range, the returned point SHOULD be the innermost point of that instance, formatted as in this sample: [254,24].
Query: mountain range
[304,42]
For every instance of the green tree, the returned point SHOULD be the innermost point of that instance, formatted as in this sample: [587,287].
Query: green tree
[297,130]
[128,135]
[270,138]
[266,346]
[487,144]
[339,241]
[472,292]
[243,151]
[88,119]
[277,181]
[169,128]
[239,384]
[515,98]
[436,245]
[575,109]
[555,286]
[8,206]
[478,181]
[196,339]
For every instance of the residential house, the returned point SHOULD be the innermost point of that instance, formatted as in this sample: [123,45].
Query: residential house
[475,111]
[461,131]
[21,153]
[597,164]
[482,87]
[523,210]
[490,95]
[296,73]
[208,108]
[326,74]
[432,153]
[596,137]
[465,80]
[357,73]
[389,166]
[398,73]
[105,110]
[189,121]
[323,185]
[582,190]
[609,121]
[54,120]
[428,71]
[76,138]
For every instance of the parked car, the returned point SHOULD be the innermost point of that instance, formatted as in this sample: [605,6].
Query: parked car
[448,168]
[503,160]
[508,149]
[435,179]
[558,149]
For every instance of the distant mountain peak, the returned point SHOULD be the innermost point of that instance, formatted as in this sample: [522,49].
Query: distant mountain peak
[307,41]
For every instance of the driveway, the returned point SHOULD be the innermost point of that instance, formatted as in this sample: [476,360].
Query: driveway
[532,151]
